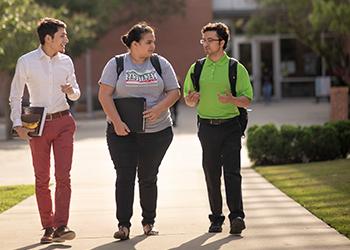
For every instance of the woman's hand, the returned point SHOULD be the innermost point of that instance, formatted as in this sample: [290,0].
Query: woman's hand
[153,113]
[121,128]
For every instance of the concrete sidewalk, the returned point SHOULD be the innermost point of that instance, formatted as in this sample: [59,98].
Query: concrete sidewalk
[274,221]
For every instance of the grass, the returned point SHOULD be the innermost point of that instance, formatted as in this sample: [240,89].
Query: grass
[321,187]
[12,195]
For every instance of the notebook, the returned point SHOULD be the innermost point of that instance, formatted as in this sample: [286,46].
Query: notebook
[131,110]
[33,118]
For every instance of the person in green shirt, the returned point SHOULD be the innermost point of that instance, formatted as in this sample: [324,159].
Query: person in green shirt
[219,130]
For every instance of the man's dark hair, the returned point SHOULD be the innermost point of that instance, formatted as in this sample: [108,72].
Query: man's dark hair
[221,29]
[135,33]
[49,26]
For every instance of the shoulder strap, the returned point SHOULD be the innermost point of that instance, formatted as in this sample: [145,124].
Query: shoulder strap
[195,76]
[156,64]
[232,74]
[119,60]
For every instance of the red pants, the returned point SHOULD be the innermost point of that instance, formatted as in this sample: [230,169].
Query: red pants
[59,134]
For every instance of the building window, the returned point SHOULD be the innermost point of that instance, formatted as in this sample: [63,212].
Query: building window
[297,60]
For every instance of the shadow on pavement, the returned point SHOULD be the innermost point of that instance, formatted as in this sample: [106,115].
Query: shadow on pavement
[197,243]
[48,247]
[122,245]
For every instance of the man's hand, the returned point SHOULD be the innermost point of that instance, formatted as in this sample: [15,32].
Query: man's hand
[152,114]
[67,89]
[226,98]
[192,98]
[23,132]
[121,129]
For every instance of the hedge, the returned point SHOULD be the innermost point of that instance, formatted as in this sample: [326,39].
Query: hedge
[269,145]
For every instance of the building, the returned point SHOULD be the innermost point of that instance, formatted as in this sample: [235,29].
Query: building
[291,66]
[177,40]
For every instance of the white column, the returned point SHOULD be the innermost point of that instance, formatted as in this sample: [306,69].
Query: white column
[256,60]
[89,106]
[277,68]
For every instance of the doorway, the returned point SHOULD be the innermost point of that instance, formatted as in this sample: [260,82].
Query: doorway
[260,55]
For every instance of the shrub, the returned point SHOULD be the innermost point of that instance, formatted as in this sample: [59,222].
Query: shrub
[320,143]
[293,144]
[290,142]
[343,134]
[262,144]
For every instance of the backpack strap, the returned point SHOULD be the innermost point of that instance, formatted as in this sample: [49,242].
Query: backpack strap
[232,74]
[156,64]
[119,60]
[197,73]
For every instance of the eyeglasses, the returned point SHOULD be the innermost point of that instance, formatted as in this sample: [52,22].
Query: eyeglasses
[209,40]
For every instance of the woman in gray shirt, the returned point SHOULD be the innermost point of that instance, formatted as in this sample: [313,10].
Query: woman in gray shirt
[131,152]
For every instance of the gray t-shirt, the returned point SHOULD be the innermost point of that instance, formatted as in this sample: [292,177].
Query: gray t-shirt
[142,80]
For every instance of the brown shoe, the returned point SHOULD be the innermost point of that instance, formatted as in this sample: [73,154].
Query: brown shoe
[149,230]
[63,233]
[48,235]
[122,233]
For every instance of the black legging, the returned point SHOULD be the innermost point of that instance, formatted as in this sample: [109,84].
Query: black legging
[143,153]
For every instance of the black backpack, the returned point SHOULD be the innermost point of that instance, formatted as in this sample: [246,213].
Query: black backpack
[119,60]
[232,73]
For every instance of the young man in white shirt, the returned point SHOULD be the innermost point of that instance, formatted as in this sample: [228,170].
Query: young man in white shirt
[49,76]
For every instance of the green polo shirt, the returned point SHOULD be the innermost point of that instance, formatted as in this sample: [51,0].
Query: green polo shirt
[214,79]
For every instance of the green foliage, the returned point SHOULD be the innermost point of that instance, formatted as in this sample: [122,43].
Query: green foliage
[87,21]
[320,143]
[263,145]
[11,195]
[92,19]
[17,27]
[322,188]
[291,144]
[343,133]
[322,25]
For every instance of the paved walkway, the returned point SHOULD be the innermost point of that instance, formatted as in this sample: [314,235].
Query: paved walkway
[274,221]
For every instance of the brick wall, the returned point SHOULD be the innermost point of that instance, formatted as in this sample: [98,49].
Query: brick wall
[177,40]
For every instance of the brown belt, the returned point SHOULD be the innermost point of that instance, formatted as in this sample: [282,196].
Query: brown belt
[56,115]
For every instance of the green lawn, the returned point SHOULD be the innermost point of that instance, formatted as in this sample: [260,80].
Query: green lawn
[12,195]
[321,187]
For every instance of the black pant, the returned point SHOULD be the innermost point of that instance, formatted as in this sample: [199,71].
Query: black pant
[221,146]
[141,153]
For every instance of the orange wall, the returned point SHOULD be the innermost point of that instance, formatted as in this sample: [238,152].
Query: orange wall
[177,40]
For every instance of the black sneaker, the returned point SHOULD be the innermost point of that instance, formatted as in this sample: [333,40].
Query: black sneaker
[237,226]
[215,227]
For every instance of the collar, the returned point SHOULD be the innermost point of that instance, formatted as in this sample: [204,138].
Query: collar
[222,61]
[42,54]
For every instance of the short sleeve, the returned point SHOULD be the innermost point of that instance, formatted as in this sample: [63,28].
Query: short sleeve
[168,75]
[109,73]
[188,85]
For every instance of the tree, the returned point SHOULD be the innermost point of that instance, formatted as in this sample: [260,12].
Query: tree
[322,25]
[18,36]
[104,14]
[86,21]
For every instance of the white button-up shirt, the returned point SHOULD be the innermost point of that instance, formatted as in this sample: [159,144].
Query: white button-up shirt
[43,76]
